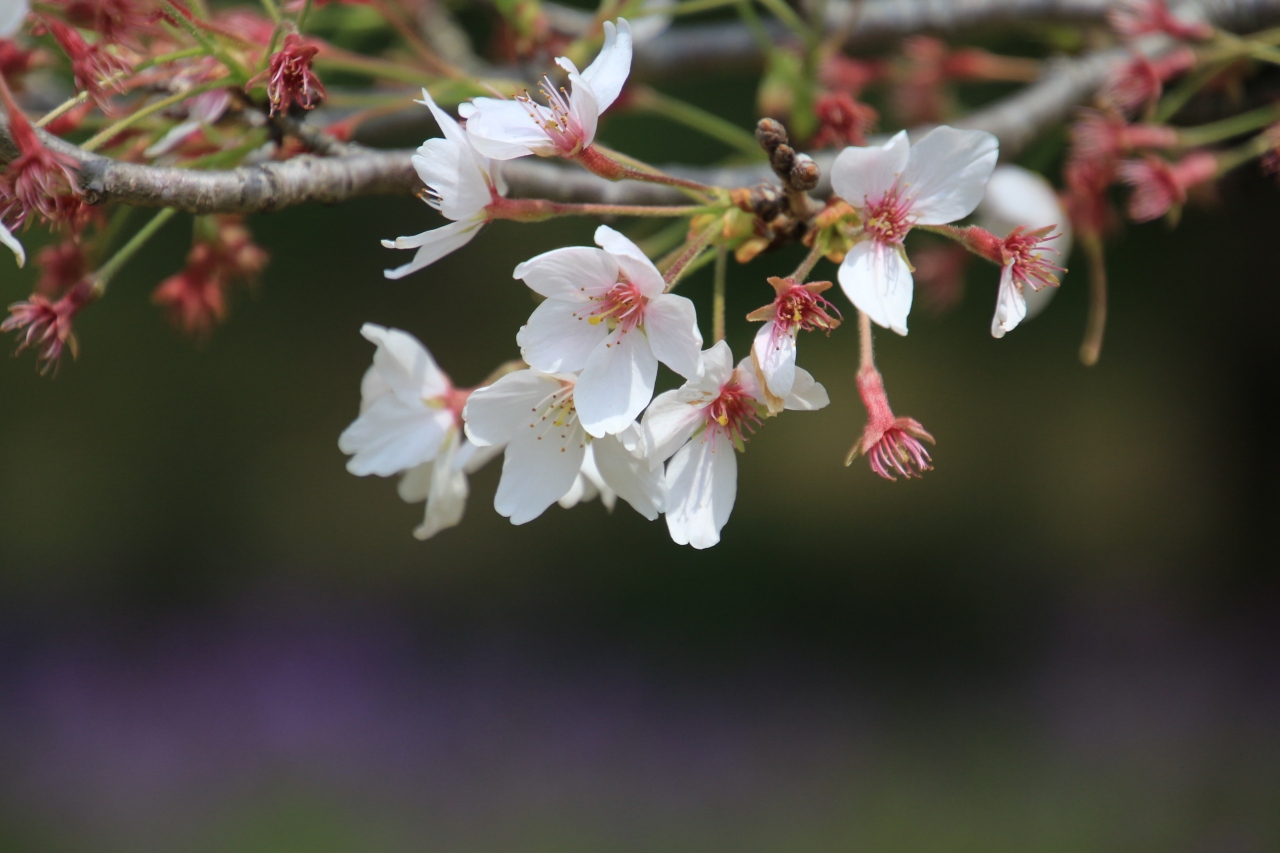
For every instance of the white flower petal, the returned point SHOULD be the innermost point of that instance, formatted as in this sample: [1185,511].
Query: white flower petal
[12,15]
[471,458]
[617,383]
[861,174]
[807,394]
[453,174]
[947,173]
[637,266]
[583,109]
[446,503]
[576,273]
[560,337]
[1017,196]
[775,357]
[702,485]
[495,413]
[716,365]
[372,386]
[415,484]
[878,281]
[404,364]
[432,245]
[390,437]
[629,476]
[505,130]
[539,467]
[668,423]
[1011,307]
[651,26]
[671,322]
[6,237]
[608,73]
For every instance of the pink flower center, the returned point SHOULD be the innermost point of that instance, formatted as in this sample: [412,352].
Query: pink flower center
[888,219]
[798,309]
[622,306]
[733,414]
[556,119]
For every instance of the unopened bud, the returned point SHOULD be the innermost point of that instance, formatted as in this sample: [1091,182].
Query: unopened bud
[770,134]
[804,173]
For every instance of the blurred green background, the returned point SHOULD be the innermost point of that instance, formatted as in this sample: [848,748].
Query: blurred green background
[1064,638]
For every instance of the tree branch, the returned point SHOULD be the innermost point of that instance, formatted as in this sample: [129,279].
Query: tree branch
[360,171]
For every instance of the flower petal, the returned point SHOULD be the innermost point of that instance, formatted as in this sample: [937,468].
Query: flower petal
[1011,307]
[575,273]
[432,245]
[539,467]
[1017,196]
[617,383]
[560,337]
[774,355]
[404,364]
[495,413]
[668,423]
[390,437]
[878,281]
[451,172]
[671,322]
[608,73]
[947,173]
[583,110]
[505,130]
[866,173]
[6,237]
[807,394]
[635,263]
[12,15]
[630,477]
[702,485]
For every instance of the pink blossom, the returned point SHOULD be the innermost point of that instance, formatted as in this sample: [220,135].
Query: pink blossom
[891,444]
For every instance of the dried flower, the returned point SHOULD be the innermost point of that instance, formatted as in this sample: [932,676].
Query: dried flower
[45,325]
[891,444]
[1141,81]
[1160,186]
[38,179]
[94,68]
[289,77]
[843,121]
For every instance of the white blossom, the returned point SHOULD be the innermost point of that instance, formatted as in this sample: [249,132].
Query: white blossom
[535,415]
[12,15]
[699,426]
[461,183]
[514,128]
[894,187]
[607,314]
[1019,197]
[442,483]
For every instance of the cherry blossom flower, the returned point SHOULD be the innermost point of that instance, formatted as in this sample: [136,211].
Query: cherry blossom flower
[196,297]
[1097,135]
[46,325]
[461,183]
[12,15]
[698,427]
[607,315]
[94,68]
[565,127]
[842,120]
[117,21]
[1160,186]
[38,179]
[797,307]
[1141,80]
[535,415]
[894,187]
[1134,18]
[62,265]
[1019,198]
[891,444]
[442,483]
[289,77]
[408,407]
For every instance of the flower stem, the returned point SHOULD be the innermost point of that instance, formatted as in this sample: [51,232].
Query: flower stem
[692,249]
[184,20]
[1256,147]
[652,101]
[866,353]
[810,260]
[717,296]
[1228,127]
[272,10]
[1096,325]
[102,277]
[537,209]
[110,132]
[425,53]
[607,164]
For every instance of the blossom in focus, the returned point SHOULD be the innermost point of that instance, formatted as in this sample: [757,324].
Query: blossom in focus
[46,325]
[408,407]
[534,414]
[442,483]
[1160,186]
[894,187]
[698,427]
[891,444]
[289,77]
[12,14]
[607,314]
[506,129]
[796,307]
[461,182]
[1017,197]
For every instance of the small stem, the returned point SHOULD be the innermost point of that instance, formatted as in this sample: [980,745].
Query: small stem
[866,353]
[1255,147]
[1228,127]
[182,16]
[810,261]
[605,163]
[102,277]
[717,296]
[788,16]
[425,53]
[653,101]
[302,16]
[537,209]
[272,9]
[692,249]
[1096,324]
[107,134]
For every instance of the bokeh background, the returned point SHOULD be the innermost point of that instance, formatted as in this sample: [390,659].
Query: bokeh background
[1065,638]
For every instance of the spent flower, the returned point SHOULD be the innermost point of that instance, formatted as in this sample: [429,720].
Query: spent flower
[891,444]
[795,308]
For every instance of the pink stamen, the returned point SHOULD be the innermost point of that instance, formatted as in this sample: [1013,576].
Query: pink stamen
[888,219]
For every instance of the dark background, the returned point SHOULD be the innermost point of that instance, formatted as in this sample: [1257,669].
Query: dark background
[1064,638]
